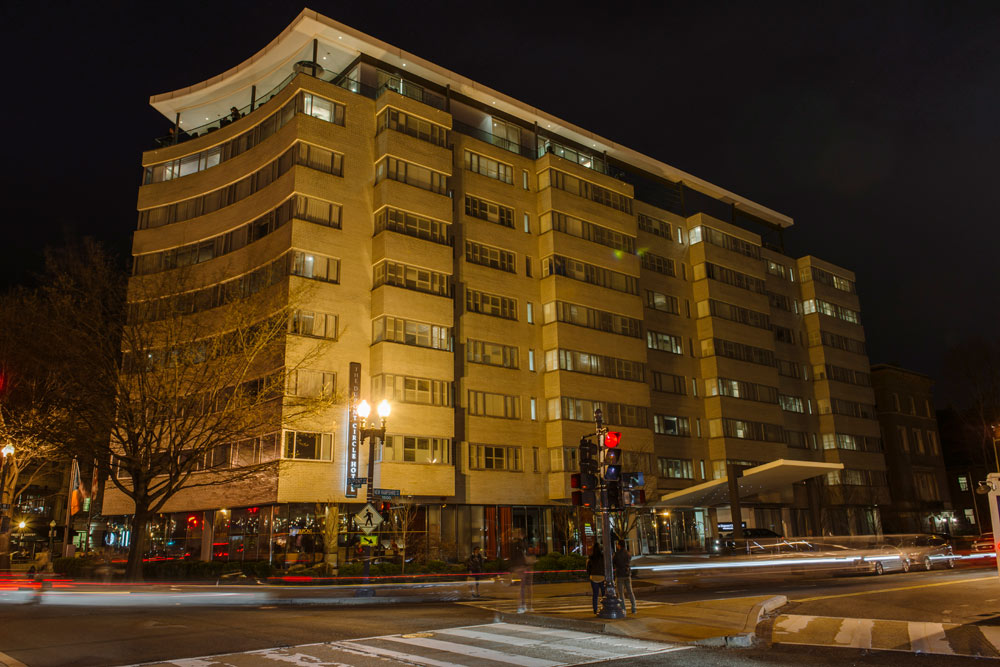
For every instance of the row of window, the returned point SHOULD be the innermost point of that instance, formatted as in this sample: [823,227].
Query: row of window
[664,342]
[298,206]
[670,425]
[779,270]
[492,354]
[412,174]
[406,389]
[582,409]
[845,375]
[399,121]
[669,383]
[664,303]
[830,279]
[411,224]
[723,240]
[567,224]
[491,256]
[594,364]
[841,406]
[489,211]
[729,277]
[557,265]
[577,186]
[388,272]
[489,167]
[738,351]
[305,103]
[415,449]
[657,263]
[655,226]
[591,318]
[792,404]
[493,305]
[837,341]
[856,443]
[293,262]
[831,309]
[313,323]
[734,313]
[917,436]
[749,391]
[852,477]
[490,404]
[745,430]
[300,153]
[411,332]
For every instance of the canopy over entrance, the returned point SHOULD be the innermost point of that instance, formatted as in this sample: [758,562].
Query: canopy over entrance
[771,476]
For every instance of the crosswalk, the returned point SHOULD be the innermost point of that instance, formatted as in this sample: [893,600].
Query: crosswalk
[887,635]
[470,646]
[552,605]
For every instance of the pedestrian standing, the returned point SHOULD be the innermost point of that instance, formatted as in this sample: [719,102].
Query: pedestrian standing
[476,563]
[622,562]
[595,570]
[520,562]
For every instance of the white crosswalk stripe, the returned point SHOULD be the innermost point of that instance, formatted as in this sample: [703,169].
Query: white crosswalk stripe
[886,635]
[556,605]
[497,643]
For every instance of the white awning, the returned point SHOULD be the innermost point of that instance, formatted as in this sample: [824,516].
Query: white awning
[771,476]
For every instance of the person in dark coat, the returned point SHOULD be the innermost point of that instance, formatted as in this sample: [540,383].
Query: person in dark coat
[476,564]
[595,570]
[520,565]
[622,563]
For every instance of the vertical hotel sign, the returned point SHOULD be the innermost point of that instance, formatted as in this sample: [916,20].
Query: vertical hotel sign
[353,432]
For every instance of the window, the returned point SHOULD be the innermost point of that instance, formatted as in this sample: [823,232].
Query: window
[831,310]
[746,430]
[491,354]
[487,404]
[582,409]
[918,440]
[315,267]
[524,179]
[568,224]
[490,304]
[533,408]
[308,383]
[963,483]
[783,302]
[531,360]
[791,403]
[312,323]
[410,332]
[557,265]
[926,486]
[739,351]
[486,210]
[308,446]
[784,335]
[932,443]
[657,263]
[729,277]
[399,121]
[494,457]
[527,223]
[676,468]
[847,376]
[749,391]
[655,227]
[668,383]
[583,316]
[657,340]
[776,269]
[662,302]
[564,459]
[412,224]
[411,174]
[484,255]
[669,425]
[489,167]
[586,189]
[410,277]
[723,240]
[827,278]
[416,449]
[734,313]
[839,342]
[406,389]
[530,312]
[594,364]
[901,435]
[970,516]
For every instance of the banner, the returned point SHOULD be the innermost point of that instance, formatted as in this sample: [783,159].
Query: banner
[353,429]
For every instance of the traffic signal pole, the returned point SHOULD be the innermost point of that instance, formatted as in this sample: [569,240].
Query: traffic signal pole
[611,605]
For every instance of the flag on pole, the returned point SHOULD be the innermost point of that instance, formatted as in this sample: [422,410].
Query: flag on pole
[76,491]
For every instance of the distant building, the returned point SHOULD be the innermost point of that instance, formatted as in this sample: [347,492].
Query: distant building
[915,466]
[968,460]
[500,274]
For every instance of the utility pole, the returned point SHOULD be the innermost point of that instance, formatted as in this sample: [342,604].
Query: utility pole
[611,606]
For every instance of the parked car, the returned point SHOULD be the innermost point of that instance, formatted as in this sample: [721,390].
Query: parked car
[926,551]
[883,558]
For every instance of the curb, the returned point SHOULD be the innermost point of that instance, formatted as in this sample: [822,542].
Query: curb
[744,639]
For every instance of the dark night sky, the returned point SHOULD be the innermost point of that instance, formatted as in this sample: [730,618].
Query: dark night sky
[876,126]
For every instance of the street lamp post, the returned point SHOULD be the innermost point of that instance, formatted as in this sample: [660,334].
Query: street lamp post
[8,460]
[373,435]
[995,432]
[52,534]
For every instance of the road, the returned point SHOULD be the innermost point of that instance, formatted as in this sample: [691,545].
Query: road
[47,635]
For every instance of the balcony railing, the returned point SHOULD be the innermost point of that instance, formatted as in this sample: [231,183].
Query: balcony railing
[330,77]
[413,91]
[499,142]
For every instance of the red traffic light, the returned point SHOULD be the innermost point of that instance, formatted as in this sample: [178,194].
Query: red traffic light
[612,438]
[574,481]
[577,498]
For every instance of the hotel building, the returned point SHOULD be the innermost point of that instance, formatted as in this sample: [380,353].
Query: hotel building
[500,273]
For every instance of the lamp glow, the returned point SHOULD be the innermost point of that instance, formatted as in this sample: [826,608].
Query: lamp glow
[383,409]
[364,409]
[8,450]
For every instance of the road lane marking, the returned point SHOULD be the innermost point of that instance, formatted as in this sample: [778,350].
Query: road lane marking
[890,590]
[793,623]
[475,652]
[855,632]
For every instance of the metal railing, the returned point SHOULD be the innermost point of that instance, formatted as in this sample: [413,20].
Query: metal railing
[493,139]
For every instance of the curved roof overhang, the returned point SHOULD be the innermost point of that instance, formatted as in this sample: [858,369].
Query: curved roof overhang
[341,44]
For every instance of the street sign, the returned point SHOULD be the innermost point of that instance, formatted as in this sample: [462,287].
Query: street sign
[4,507]
[357,481]
[369,540]
[386,493]
[368,519]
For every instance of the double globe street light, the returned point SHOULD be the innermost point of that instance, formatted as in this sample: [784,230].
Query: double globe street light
[372,435]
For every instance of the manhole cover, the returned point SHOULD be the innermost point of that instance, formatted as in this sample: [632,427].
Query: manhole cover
[418,635]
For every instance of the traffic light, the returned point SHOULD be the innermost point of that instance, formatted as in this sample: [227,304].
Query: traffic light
[611,468]
[612,438]
[588,456]
[632,494]
[384,508]
[587,483]
[635,497]
[614,495]
[631,480]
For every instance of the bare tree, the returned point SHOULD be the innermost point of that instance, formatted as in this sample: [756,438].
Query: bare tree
[972,375]
[160,390]
[403,518]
